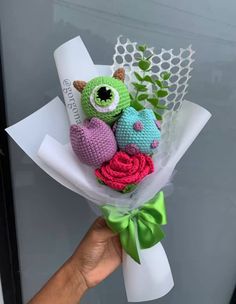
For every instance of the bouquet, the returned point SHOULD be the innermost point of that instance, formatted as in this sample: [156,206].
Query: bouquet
[116,141]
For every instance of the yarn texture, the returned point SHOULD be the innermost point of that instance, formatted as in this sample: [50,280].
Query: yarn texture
[137,132]
[93,142]
[123,172]
[105,97]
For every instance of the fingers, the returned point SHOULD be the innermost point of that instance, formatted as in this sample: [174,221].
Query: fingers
[100,231]
[117,245]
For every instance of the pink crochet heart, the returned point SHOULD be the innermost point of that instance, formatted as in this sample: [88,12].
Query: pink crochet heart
[93,142]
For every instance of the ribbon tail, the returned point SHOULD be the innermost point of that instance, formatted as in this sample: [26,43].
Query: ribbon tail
[149,234]
[128,241]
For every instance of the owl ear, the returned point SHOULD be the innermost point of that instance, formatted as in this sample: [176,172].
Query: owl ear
[119,74]
[79,85]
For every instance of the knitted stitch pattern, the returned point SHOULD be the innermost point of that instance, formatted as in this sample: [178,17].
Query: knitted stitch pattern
[106,107]
[124,172]
[93,142]
[137,131]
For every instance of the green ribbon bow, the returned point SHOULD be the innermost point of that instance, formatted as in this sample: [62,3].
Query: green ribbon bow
[144,222]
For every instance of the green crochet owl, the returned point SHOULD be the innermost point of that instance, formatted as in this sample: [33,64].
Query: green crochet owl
[104,97]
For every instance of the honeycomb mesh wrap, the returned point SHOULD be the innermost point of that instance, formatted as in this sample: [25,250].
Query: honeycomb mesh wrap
[179,64]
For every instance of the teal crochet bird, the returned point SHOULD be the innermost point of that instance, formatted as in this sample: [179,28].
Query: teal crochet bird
[137,132]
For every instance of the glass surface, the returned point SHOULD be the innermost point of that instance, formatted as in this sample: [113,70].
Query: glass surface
[200,236]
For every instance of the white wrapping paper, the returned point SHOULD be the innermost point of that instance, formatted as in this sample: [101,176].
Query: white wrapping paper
[150,280]
[72,61]
[50,149]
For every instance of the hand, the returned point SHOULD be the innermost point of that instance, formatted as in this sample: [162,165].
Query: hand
[98,255]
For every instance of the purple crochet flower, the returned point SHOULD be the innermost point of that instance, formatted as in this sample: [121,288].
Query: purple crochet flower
[93,142]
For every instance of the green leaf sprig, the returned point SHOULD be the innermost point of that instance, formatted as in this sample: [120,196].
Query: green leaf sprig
[160,89]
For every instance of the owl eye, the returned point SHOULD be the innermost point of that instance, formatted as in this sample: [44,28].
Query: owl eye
[104,98]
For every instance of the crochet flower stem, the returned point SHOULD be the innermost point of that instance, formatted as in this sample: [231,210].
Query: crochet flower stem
[140,87]
[141,81]
[159,87]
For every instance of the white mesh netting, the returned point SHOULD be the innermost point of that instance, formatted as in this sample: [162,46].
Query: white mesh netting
[177,63]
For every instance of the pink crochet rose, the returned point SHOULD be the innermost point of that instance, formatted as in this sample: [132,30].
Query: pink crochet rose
[123,172]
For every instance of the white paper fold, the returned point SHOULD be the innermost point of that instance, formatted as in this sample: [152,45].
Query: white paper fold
[73,63]
[30,132]
[150,280]
[50,149]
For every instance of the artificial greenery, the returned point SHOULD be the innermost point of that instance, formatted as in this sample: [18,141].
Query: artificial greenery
[160,89]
